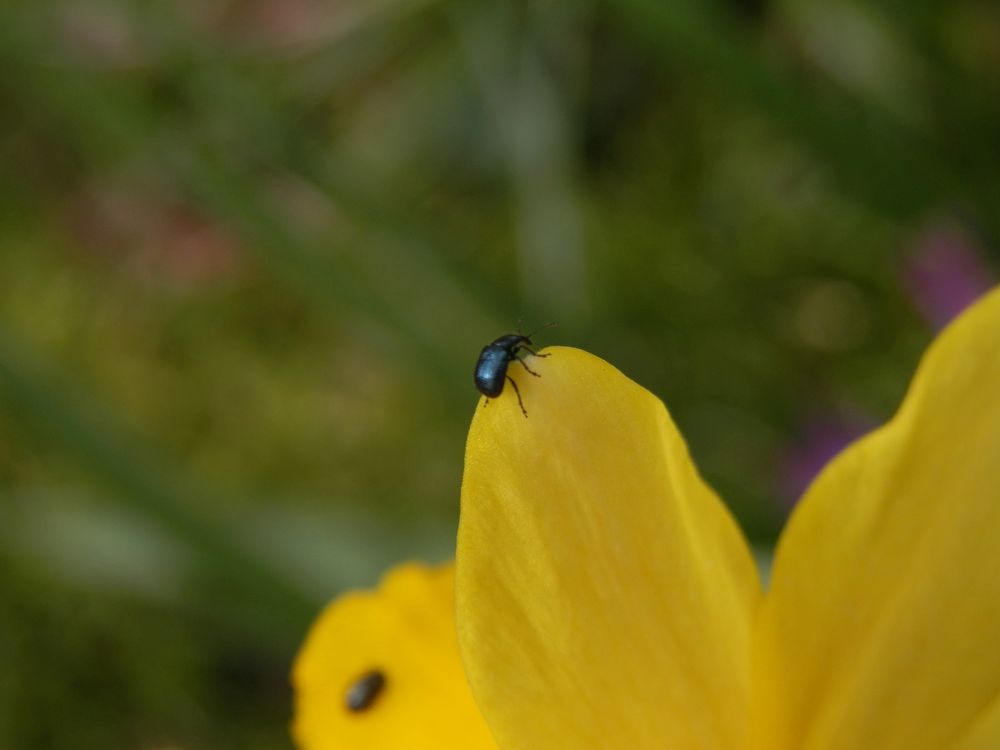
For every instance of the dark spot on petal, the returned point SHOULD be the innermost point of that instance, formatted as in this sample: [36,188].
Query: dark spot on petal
[362,693]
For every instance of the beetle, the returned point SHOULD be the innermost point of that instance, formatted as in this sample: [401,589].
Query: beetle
[491,367]
[361,693]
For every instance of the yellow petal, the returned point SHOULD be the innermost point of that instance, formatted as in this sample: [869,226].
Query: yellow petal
[406,630]
[984,732]
[604,593]
[882,626]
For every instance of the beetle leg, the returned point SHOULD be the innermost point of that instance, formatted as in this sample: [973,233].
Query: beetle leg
[525,366]
[518,392]
[533,352]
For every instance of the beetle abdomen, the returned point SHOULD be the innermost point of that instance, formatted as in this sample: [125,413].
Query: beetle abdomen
[491,370]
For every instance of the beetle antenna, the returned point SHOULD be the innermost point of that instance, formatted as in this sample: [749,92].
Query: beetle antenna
[537,330]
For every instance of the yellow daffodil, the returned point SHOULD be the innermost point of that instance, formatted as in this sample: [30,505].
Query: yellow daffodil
[605,599]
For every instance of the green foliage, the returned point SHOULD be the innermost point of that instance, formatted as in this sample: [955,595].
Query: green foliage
[249,252]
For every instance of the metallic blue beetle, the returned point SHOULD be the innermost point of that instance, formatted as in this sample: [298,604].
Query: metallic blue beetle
[491,369]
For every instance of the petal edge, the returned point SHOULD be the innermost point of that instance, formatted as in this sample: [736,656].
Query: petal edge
[604,593]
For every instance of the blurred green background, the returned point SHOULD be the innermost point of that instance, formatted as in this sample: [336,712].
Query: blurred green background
[249,252]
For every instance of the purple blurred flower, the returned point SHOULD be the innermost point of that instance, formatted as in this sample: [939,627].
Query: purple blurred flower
[821,438]
[944,272]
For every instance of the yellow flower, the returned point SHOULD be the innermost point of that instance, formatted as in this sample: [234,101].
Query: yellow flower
[406,632]
[605,598]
